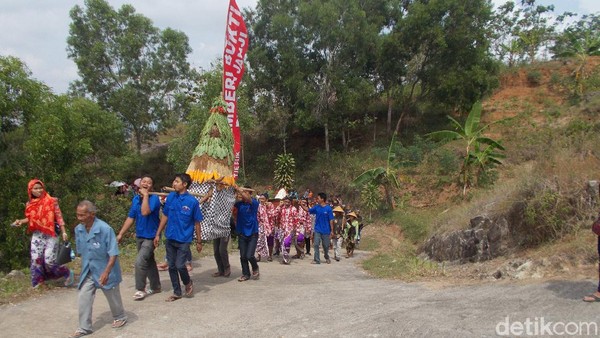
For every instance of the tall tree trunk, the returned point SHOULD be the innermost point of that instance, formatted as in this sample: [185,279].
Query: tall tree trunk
[326,137]
[345,140]
[389,197]
[284,145]
[389,112]
[374,129]
[397,130]
[137,134]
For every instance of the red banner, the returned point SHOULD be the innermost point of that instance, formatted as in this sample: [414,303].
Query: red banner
[236,45]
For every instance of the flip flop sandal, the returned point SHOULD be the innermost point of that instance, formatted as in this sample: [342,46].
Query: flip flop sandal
[139,295]
[150,291]
[243,279]
[172,298]
[255,275]
[189,289]
[79,333]
[217,274]
[118,323]
[593,299]
[71,279]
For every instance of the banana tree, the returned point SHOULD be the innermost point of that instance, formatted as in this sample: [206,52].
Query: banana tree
[384,177]
[471,134]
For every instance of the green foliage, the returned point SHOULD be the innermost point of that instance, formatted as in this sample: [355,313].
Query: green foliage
[413,154]
[370,197]
[446,162]
[534,77]
[19,95]
[14,286]
[480,151]
[435,34]
[112,208]
[579,41]
[414,224]
[520,30]
[381,176]
[69,143]
[129,66]
[401,263]
[327,47]
[579,38]
[546,214]
[285,170]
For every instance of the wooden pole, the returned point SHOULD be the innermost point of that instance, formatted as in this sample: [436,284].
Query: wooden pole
[171,189]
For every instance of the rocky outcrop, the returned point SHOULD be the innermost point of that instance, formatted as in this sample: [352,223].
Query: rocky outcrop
[488,237]
[485,239]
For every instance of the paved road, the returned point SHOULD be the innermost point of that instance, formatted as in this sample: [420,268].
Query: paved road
[304,300]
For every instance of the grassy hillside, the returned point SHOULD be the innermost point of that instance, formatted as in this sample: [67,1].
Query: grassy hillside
[551,142]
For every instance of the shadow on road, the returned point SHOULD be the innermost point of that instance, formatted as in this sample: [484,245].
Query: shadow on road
[571,289]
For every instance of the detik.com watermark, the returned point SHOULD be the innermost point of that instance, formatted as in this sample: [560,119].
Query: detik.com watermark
[539,326]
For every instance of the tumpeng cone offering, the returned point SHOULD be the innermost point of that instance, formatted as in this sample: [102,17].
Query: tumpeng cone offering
[212,167]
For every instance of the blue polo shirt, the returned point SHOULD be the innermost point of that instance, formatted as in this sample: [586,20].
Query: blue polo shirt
[95,248]
[322,217]
[247,217]
[183,211]
[145,226]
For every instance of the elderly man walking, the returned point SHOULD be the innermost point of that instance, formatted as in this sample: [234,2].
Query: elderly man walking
[97,245]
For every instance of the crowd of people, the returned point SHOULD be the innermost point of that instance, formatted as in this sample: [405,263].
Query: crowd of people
[264,228]
[295,221]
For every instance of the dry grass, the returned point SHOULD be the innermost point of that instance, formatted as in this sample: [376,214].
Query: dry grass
[551,155]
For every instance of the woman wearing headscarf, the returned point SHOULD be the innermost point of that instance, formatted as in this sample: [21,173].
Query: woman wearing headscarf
[41,214]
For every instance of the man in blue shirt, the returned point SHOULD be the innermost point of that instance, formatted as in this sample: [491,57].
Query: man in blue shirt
[247,229]
[181,214]
[145,210]
[97,245]
[323,227]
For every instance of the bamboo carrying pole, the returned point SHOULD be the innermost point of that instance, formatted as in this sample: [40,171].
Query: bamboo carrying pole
[170,190]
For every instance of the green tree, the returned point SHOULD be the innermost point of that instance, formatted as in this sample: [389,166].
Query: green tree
[343,38]
[442,54]
[520,30]
[74,138]
[20,100]
[480,151]
[579,40]
[129,66]
[277,39]
[328,49]
[70,143]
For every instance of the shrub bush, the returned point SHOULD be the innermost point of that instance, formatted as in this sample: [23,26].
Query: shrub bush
[534,77]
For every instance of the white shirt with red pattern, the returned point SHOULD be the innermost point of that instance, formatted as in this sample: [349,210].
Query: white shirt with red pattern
[305,222]
[288,219]
[263,219]
[273,216]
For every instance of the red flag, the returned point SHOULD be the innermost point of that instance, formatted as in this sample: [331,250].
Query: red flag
[236,45]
